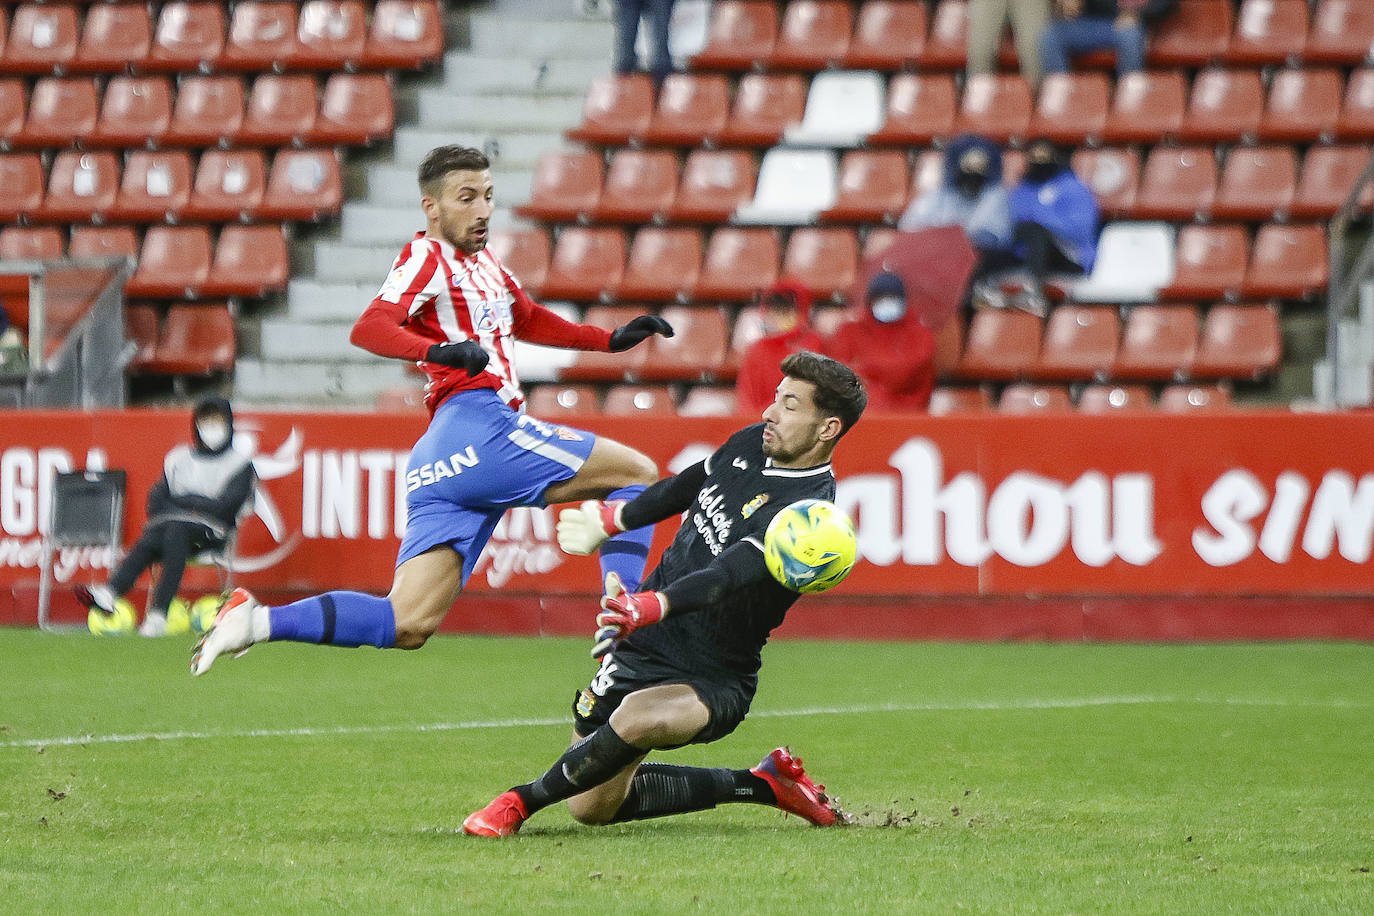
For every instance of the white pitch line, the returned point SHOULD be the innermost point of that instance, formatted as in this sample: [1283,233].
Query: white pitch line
[475,725]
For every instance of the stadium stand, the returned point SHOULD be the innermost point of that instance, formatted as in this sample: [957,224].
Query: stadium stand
[113,36]
[888,35]
[813,35]
[640,187]
[692,109]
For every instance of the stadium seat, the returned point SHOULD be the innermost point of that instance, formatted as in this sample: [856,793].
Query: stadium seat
[1178,183]
[617,108]
[1096,399]
[404,34]
[156,187]
[13,105]
[262,36]
[114,36]
[639,188]
[1342,32]
[548,402]
[1286,262]
[1027,398]
[1327,178]
[1198,33]
[1187,398]
[1002,344]
[842,108]
[21,185]
[1356,120]
[172,263]
[229,185]
[32,243]
[871,187]
[303,184]
[709,401]
[825,260]
[61,110]
[766,104]
[949,345]
[602,367]
[813,35]
[794,186]
[1159,342]
[1146,107]
[281,111]
[740,34]
[947,45]
[662,265]
[1071,108]
[196,339]
[951,399]
[698,350]
[888,35]
[739,263]
[42,39]
[995,106]
[135,111]
[1225,106]
[714,184]
[104,242]
[356,109]
[189,37]
[1303,106]
[208,112]
[1239,341]
[1268,32]
[141,327]
[1079,344]
[1256,184]
[876,241]
[692,109]
[401,399]
[1210,263]
[330,35]
[525,253]
[249,261]
[1113,174]
[565,186]
[920,109]
[587,264]
[81,187]
[627,400]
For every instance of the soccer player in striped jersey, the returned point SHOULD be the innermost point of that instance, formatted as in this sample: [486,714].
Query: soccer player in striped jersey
[450,305]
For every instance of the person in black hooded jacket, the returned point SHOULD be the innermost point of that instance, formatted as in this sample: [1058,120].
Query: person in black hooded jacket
[193,507]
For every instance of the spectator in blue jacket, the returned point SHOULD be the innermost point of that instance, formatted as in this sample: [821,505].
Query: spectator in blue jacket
[1054,219]
[970,196]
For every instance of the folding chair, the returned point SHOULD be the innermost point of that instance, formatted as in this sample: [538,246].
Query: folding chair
[86,510]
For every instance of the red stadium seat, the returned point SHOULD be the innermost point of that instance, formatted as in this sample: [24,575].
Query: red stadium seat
[1028,398]
[42,39]
[81,187]
[947,44]
[813,35]
[1002,344]
[37,243]
[1113,174]
[281,111]
[1304,106]
[141,327]
[662,266]
[587,264]
[872,187]
[525,253]
[617,108]
[995,106]
[61,110]
[135,111]
[114,36]
[765,105]
[640,187]
[1239,341]
[1178,183]
[405,34]
[602,367]
[1159,342]
[262,36]
[1356,120]
[304,184]
[1110,398]
[208,112]
[714,183]
[948,399]
[189,37]
[1194,36]
[21,185]
[1209,263]
[356,109]
[156,186]
[1257,184]
[550,402]
[692,109]
[739,263]
[949,345]
[634,400]
[229,185]
[330,35]
[13,105]
[566,186]
[1225,105]
[709,401]
[401,399]
[249,261]
[826,261]
[173,263]
[1328,176]
[888,35]
[1188,398]
[1072,107]
[196,339]
[1342,32]
[1268,32]
[698,350]
[1080,343]
[1286,262]
[740,34]
[104,242]
[920,109]
[1146,107]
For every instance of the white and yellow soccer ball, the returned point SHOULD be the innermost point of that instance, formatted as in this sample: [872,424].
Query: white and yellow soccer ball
[179,618]
[810,546]
[120,623]
[204,610]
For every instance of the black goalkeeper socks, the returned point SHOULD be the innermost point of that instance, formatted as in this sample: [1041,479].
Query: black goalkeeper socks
[586,764]
[660,789]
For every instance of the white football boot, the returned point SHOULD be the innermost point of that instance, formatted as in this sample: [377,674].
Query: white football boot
[154,624]
[240,624]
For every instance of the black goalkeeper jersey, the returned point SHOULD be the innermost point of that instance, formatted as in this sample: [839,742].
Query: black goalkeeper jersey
[739,497]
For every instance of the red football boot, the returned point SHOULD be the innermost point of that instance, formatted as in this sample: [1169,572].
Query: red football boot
[795,791]
[502,817]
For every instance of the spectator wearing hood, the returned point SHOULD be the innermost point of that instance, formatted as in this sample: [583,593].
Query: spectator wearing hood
[193,507]
[785,312]
[1054,219]
[970,196]
[889,348]
[1081,26]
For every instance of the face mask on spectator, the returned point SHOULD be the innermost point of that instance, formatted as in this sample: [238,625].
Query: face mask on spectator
[214,433]
[888,309]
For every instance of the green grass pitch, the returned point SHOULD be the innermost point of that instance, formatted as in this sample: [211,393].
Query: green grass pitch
[1007,778]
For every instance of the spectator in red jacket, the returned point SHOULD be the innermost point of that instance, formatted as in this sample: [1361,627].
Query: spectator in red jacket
[785,310]
[889,347]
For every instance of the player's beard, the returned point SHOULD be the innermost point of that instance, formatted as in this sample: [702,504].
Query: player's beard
[462,239]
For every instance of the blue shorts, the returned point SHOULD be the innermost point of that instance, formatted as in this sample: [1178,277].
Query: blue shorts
[477,459]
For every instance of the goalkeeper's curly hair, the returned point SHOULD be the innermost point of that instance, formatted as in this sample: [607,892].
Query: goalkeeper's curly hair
[839,393]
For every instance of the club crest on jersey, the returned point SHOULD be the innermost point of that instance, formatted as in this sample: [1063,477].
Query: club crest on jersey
[586,701]
[567,435]
[484,318]
[753,505]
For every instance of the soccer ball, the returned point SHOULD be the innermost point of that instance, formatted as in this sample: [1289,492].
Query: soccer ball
[204,611]
[179,618]
[810,546]
[117,624]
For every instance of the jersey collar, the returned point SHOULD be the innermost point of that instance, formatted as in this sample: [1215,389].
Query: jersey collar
[769,470]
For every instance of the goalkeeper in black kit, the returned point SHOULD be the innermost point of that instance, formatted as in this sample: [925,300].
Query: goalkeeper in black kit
[680,660]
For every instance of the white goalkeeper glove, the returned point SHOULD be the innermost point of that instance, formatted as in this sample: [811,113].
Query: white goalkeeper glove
[581,530]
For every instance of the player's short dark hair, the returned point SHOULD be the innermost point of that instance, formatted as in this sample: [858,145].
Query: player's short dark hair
[444,159]
[839,393]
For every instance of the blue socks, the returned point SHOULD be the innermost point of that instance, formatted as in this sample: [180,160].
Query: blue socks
[346,619]
[626,553]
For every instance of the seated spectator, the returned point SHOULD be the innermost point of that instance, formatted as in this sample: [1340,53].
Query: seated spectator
[1081,26]
[784,311]
[986,19]
[13,352]
[972,197]
[889,348]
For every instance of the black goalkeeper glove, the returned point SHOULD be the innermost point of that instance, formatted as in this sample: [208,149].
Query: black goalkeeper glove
[638,330]
[466,354]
